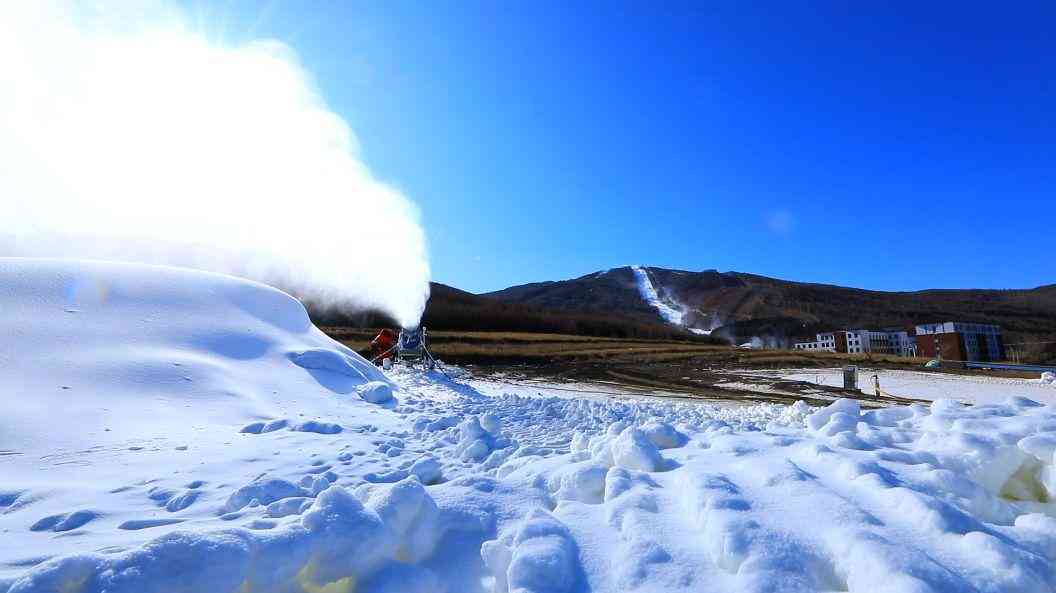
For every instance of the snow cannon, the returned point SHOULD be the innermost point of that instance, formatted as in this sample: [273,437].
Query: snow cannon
[411,347]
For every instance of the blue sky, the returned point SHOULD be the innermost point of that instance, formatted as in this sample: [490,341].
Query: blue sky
[891,147]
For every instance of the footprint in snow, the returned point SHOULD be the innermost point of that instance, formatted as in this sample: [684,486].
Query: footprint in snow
[319,469]
[265,427]
[175,501]
[65,521]
[27,562]
[317,427]
[8,500]
[137,524]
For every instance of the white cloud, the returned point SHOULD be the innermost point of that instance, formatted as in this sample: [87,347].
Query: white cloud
[780,222]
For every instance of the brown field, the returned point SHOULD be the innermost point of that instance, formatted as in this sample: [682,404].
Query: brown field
[686,369]
[503,348]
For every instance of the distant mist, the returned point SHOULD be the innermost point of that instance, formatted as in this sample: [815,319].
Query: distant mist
[125,135]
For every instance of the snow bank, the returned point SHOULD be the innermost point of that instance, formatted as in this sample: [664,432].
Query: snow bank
[126,347]
[338,540]
[122,381]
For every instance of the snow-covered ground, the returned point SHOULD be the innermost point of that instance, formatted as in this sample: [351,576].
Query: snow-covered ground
[928,385]
[169,430]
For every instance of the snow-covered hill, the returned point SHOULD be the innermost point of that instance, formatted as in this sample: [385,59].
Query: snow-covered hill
[746,305]
[166,430]
[669,308]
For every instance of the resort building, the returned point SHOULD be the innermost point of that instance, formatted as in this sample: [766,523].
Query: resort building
[953,340]
[860,341]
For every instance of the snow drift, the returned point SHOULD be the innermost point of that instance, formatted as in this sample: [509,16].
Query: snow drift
[100,352]
[125,135]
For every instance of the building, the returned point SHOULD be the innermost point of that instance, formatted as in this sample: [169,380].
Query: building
[824,343]
[952,340]
[860,341]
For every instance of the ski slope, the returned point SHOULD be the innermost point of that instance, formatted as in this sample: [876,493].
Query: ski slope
[166,430]
[672,312]
[652,297]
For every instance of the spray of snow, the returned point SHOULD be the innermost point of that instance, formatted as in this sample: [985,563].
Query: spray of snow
[670,310]
[651,296]
[125,135]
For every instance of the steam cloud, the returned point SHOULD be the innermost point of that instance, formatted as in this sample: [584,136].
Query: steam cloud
[124,135]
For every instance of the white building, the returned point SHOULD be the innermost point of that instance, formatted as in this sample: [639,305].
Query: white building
[824,343]
[860,341]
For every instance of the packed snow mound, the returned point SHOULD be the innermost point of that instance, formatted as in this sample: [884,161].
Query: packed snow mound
[137,400]
[337,540]
[109,347]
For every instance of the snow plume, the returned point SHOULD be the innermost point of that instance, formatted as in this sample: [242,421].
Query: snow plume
[670,309]
[649,294]
[125,135]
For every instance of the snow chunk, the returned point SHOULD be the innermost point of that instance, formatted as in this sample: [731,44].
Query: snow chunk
[288,506]
[887,416]
[1041,446]
[475,450]
[375,392]
[315,484]
[848,407]
[347,538]
[182,562]
[317,426]
[580,442]
[491,423]
[328,360]
[411,515]
[263,492]
[265,427]
[838,423]
[541,558]
[428,470]
[583,481]
[633,450]
[664,435]
[474,442]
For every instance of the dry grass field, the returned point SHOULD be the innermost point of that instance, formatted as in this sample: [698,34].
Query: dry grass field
[504,348]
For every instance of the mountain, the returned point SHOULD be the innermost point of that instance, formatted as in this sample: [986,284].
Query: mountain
[452,309]
[743,305]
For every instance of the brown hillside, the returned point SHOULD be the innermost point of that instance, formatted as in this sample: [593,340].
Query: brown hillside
[747,304]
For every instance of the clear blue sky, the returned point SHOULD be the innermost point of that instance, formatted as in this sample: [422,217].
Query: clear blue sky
[891,147]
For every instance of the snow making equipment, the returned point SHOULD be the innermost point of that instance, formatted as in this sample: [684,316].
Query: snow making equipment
[850,377]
